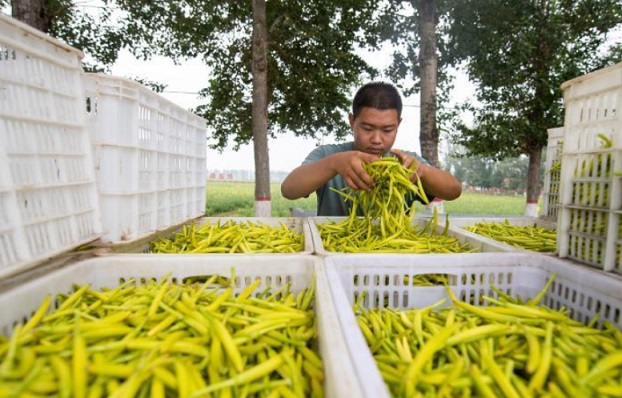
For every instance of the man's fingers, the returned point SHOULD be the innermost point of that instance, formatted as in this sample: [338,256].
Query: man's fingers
[354,173]
[357,178]
[356,183]
[411,163]
[369,158]
[362,179]
[399,153]
[407,161]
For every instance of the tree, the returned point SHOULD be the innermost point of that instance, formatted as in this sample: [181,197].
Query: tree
[310,60]
[519,53]
[511,174]
[311,64]
[101,38]
[421,60]
[32,12]
[428,61]
[508,174]
[259,114]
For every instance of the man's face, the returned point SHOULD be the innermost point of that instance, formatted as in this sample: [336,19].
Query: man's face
[374,130]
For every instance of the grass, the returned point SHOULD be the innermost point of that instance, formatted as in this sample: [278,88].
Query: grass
[238,199]
[478,203]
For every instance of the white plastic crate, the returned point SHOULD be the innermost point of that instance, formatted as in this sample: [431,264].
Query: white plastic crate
[590,236]
[582,290]
[616,219]
[299,225]
[275,270]
[592,106]
[150,158]
[591,196]
[475,242]
[590,179]
[591,200]
[48,195]
[196,200]
[591,188]
[552,176]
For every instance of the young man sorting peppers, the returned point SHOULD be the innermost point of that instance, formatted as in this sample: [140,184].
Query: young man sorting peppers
[375,118]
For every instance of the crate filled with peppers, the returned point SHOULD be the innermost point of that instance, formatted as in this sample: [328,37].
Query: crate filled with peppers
[510,233]
[241,235]
[552,174]
[197,326]
[591,170]
[511,325]
[589,225]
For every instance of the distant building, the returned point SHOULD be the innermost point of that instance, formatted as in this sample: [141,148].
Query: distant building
[242,175]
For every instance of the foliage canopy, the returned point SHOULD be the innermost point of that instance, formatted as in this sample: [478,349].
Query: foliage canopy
[312,62]
[519,54]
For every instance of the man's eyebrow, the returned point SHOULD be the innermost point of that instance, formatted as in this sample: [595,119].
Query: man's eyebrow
[384,126]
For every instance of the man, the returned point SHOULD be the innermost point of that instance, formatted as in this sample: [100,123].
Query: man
[375,118]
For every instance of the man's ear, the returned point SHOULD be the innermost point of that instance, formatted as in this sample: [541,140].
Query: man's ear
[351,119]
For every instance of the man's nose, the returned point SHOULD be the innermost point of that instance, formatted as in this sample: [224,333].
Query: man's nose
[375,136]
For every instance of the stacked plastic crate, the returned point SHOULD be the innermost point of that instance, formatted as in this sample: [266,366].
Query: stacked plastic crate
[150,158]
[48,195]
[591,198]
[552,170]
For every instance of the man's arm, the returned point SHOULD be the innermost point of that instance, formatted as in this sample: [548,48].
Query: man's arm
[308,178]
[439,183]
[436,182]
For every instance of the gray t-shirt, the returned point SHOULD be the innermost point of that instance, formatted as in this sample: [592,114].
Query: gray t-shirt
[330,203]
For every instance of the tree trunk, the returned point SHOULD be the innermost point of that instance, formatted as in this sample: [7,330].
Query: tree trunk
[260,109]
[533,181]
[32,12]
[428,62]
[545,96]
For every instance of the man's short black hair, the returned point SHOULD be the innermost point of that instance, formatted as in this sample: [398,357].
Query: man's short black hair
[378,95]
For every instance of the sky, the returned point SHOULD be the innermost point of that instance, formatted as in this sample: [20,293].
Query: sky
[286,152]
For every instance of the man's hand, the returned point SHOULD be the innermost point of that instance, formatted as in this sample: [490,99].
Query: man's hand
[436,182]
[350,166]
[307,178]
[409,162]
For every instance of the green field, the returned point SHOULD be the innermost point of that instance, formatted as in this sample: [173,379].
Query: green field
[237,199]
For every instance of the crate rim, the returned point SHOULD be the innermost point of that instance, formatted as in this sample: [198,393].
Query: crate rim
[589,76]
[136,85]
[40,35]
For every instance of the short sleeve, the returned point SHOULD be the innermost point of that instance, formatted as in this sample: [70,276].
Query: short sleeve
[315,155]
